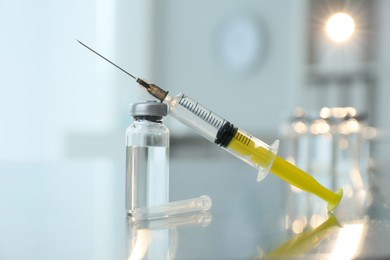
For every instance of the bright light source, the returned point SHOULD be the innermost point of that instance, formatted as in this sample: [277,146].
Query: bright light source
[340,27]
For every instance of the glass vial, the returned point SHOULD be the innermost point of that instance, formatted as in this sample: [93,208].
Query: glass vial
[147,156]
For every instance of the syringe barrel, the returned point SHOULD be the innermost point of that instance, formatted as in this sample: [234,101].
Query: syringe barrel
[253,151]
[195,116]
[219,131]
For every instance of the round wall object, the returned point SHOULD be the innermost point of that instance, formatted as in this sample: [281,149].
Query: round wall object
[240,43]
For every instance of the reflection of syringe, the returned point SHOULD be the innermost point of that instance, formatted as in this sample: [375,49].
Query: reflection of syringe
[236,141]
[306,241]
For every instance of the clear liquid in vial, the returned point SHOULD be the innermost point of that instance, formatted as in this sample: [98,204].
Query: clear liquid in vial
[147,176]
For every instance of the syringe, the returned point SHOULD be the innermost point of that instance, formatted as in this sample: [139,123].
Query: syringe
[239,143]
[236,141]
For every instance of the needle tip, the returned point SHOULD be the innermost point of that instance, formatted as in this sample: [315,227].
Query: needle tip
[80,42]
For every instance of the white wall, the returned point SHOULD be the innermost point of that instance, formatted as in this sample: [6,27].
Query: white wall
[43,84]
[186,58]
[57,98]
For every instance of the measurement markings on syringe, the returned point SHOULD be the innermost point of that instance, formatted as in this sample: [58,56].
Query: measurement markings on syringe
[243,139]
[204,114]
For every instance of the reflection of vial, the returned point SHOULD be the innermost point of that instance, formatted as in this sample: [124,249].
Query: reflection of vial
[147,156]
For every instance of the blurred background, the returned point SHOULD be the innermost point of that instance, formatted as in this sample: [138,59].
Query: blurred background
[253,62]
[263,65]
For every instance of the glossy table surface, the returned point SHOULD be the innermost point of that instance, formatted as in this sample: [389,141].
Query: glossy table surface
[75,211]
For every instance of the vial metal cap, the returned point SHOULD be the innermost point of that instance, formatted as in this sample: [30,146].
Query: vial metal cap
[148,108]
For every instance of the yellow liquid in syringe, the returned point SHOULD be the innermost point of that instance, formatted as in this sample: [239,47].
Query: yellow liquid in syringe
[283,169]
